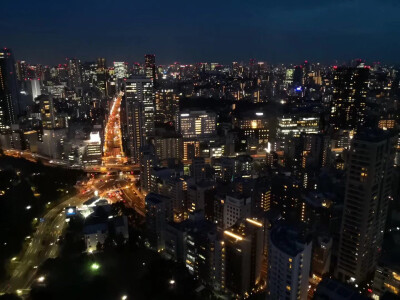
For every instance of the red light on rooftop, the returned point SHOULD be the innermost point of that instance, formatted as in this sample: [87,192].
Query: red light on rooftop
[369,290]
[335,67]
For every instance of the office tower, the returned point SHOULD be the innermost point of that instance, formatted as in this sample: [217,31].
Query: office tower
[321,259]
[236,207]
[150,66]
[289,260]
[350,87]
[169,145]
[147,163]
[74,73]
[254,126]
[22,70]
[198,124]
[261,196]
[93,151]
[292,125]
[33,88]
[120,70]
[89,73]
[196,243]
[289,77]
[368,189]
[47,111]
[176,188]
[101,75]
[52,143]
[198,169]
[243,257]
[158,212]
[101,63]
[139,109]
[298,76]
[167,106]
[9,97]
[199,195]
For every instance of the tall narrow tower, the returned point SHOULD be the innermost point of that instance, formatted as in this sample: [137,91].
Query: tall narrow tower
[139,107]
[368,189]
[150,66]
[9,97]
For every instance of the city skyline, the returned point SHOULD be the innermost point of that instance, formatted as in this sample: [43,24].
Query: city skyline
[177,31]
[203,151]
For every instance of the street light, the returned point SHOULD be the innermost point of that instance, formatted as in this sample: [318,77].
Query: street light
[95,266]
[41,279]
[124,297]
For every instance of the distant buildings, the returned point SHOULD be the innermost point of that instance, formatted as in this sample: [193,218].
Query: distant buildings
[198,124]
[150,66]
[9,97]
[349,97]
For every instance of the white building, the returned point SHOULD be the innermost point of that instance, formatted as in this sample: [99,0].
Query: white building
[236,207]
[120,69]
[289,260]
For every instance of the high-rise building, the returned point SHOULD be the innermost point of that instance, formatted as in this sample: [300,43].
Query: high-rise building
[47,111]
[139,109]
[195,243]
[243,256]
[198,124]
[120,70]
[295,124]
[236,207]
[289,260]
[368,190]
[169,146]
[158,212]
[93,149]
[167,106]
[147,163]
[74,72]
[350,87]
[33,88]
[9,97]
[150,66]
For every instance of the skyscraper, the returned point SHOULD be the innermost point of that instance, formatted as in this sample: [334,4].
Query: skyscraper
[349,97]
[74,72]
[243,255]
[47,111]
[167,106]
[289,260]
[139,107]
[368,188]
[120,70]
[9,98]
[150,66]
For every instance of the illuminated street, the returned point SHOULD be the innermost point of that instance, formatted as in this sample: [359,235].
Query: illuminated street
[113,153]
[43,243]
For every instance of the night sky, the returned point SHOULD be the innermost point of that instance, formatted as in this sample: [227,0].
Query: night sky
[286,31]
